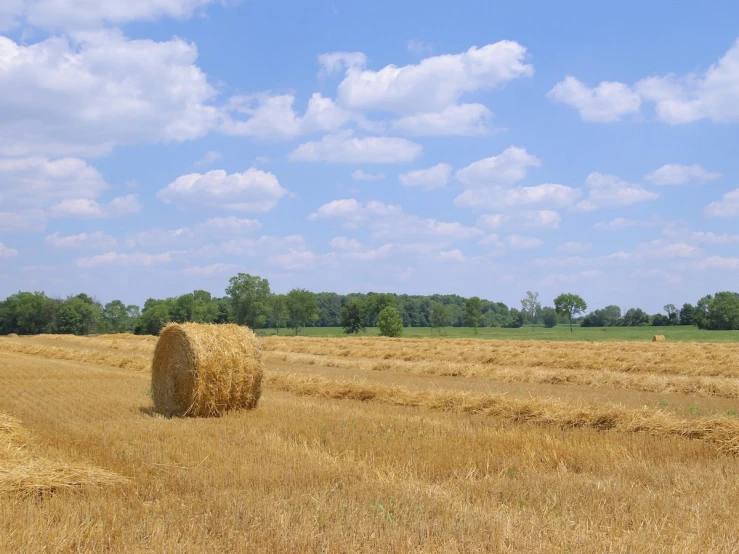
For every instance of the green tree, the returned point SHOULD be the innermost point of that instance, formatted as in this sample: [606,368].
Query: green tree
[438,316]
[569,305]
[723,311]
[352,317]
[673,314]
[531,306]
[154,316]
[249,295]
[78,315]
[115,315]
[473,312]
[278,312]
[390,322]
[302,307]
[549,317]
[687,314]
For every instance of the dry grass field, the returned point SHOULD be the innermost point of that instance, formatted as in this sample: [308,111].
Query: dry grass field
[381,445]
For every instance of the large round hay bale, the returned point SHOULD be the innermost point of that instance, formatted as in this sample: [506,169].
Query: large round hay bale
[205,370]
[12,336]
[658,338]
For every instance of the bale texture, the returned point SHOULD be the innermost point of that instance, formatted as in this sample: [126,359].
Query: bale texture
[658,338]
[12,336]
[204,370]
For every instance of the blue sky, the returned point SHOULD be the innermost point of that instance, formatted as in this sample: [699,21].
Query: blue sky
[152,147]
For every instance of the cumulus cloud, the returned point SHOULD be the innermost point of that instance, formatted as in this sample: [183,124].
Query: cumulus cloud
[345,148]
[609,101]
[6,252]
[523,243]
[574,247]
[535,219]
[251,191]
[717,262]
[549,195]
[133,259]
[34,189]
[728,206]
[463,120]
[712,95]
[361,175]
[505,169]
[273,116]
[431,178]
[345,243]
[84,96]
[679,174]
[78,14]
[88,241]
[431,85]
[455,255]
[606,191]
[391,222]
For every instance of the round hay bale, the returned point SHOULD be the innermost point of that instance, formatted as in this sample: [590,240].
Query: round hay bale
[12,336]
[204,370]
[658,338]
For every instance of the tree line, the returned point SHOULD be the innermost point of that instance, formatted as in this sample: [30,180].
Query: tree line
[248,300]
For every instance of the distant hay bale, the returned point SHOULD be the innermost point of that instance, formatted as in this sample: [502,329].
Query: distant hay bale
[12,336]
[658,338]
[204,370]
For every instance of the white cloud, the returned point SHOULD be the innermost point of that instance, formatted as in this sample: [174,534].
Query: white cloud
[6,252]
[134,259]
[390,221]
[371,255]
[251,191]
[505,169]
[298,259]
[535,219]
[83,97]
[661,248]
[87,208]
[337,61]
[250,247]
[209,158]
[463,119]
[273,116]
[345,243]
[523,243]
[35,189]
[620,223]
[76,14]
[717,262]
[607,102]
[345,148]
[678,174]
[360,175]
[212,270]
[574,247]
[606,191]
[431,85]
[701,237]
[90,241]
[451,256]
[431,178]
[548,194]
[214,227]
[419,46]
[493,242]
[713,95]
[728,206]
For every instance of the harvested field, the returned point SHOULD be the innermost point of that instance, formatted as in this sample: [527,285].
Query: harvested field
[383,445]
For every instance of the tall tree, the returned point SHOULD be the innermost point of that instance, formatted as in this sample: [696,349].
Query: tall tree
[687,314]
[473,312]
[549,316]
[438,316]
[278,311]
[116,317]
[569,305]
[352,317]
[531,306]
[249,295]
[390,322]
[302,307]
